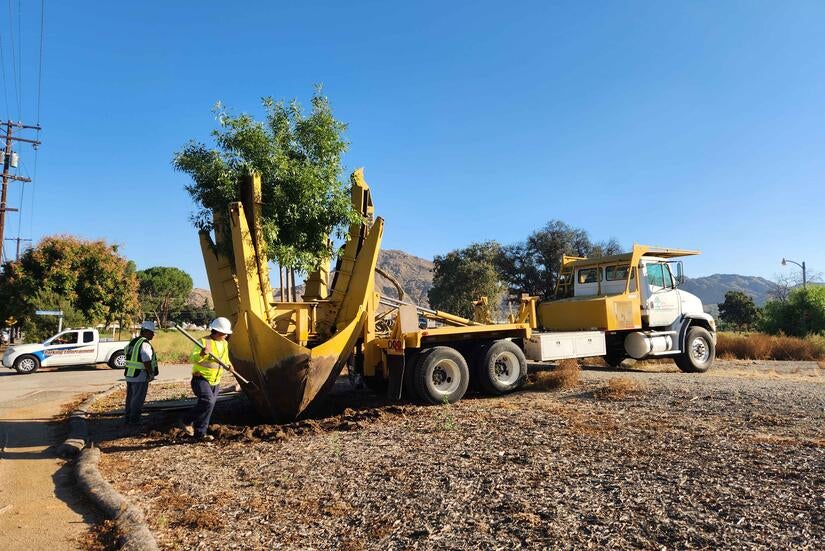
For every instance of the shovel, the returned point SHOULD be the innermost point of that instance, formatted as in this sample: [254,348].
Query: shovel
[208,353]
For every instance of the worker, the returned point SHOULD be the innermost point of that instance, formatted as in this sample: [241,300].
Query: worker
[206,377]
[141,369]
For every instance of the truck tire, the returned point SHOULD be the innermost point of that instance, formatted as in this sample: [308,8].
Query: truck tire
[699,351]
[501,367]
[26,364]
[441,376]
[614,359]
[118,360]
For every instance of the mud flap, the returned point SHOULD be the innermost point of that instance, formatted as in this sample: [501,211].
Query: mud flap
[395,365]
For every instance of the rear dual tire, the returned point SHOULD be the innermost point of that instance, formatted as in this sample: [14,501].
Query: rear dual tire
[501,368]
[440,376]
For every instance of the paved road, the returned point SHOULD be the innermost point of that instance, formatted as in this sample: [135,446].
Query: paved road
[23,390]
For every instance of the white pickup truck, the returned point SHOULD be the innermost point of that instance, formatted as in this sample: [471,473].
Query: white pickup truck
[71,347]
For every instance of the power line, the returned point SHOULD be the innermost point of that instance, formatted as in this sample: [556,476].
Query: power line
[3,67]
[40,66]
[14,64]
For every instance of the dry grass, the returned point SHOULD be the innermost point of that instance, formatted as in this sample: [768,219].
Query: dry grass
[618,388]
[172,347]
[758,346]
[566,375]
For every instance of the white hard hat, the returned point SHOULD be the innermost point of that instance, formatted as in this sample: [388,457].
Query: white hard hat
[148,326]
[221,325]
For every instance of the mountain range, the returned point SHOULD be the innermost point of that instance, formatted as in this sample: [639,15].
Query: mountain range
[416,277]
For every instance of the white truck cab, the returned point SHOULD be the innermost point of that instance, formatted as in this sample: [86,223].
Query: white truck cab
[70,347]
[631,306]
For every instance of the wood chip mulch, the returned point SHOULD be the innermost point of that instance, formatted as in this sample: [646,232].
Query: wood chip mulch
[682,461]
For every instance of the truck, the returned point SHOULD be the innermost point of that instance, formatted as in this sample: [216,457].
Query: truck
[69,347]
[623,306]
[292,352]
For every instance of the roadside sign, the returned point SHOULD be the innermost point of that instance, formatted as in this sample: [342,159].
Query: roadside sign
[10,321]
[49,312]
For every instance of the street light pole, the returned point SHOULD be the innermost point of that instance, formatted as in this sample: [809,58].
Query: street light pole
[785,262]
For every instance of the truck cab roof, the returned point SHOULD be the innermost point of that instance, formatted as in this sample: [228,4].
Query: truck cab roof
[630,258]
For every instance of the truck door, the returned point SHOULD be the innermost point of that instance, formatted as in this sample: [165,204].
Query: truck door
[661,300]
[68,348]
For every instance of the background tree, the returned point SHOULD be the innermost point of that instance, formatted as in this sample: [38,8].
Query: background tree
[800,314]
[739,310]
[88,280]
[299,159]
[463,275]
[532,266]
[163,289]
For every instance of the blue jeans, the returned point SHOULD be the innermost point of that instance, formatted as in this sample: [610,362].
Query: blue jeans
[135,396]
[199,415]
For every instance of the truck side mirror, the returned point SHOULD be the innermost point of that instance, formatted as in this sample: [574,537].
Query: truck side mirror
[680,274]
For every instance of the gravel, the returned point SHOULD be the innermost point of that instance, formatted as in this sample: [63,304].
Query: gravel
[653,459]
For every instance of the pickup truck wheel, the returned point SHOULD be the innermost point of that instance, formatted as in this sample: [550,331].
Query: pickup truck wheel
[118,360]
[501,367]
[441,376]
[26,364]
[699,351]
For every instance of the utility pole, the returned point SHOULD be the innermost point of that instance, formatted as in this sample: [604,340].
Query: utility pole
[10,161]
[18,239]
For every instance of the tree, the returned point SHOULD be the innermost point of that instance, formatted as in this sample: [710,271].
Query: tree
[802,313]
[463,275]
[739,310]
[299,159]
[163,289]
[532,266]
[88,280]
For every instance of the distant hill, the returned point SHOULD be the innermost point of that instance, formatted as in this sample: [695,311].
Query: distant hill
[711,289]
[413,273]
[199,298]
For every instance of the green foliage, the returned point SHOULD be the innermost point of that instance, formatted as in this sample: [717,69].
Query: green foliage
[533,265]
[88,280]
[299,159]
[739,310]
[163,288]
[462,276]
[801,313]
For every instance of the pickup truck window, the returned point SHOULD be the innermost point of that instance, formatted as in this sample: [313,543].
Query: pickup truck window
[88,336]
[64,338]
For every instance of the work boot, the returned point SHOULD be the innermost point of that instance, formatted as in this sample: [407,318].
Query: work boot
[184,427]
[204,438]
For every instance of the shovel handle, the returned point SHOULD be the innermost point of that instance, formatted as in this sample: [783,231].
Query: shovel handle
[211,355]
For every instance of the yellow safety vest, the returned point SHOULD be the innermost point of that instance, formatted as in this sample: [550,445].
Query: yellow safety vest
[133,363]
[208,368]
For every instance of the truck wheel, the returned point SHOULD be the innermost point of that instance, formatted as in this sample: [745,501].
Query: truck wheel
[26,364]
[501,367]
[441,376]
[614,359]
[699,351]
[118,360]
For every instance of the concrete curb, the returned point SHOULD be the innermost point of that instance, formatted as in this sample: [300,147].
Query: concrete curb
[78,428]
[129,520]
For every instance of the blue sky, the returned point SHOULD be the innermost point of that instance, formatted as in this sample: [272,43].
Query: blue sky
[684,124]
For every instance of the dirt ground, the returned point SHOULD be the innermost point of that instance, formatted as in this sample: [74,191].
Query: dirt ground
[40,507]
[648,458]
